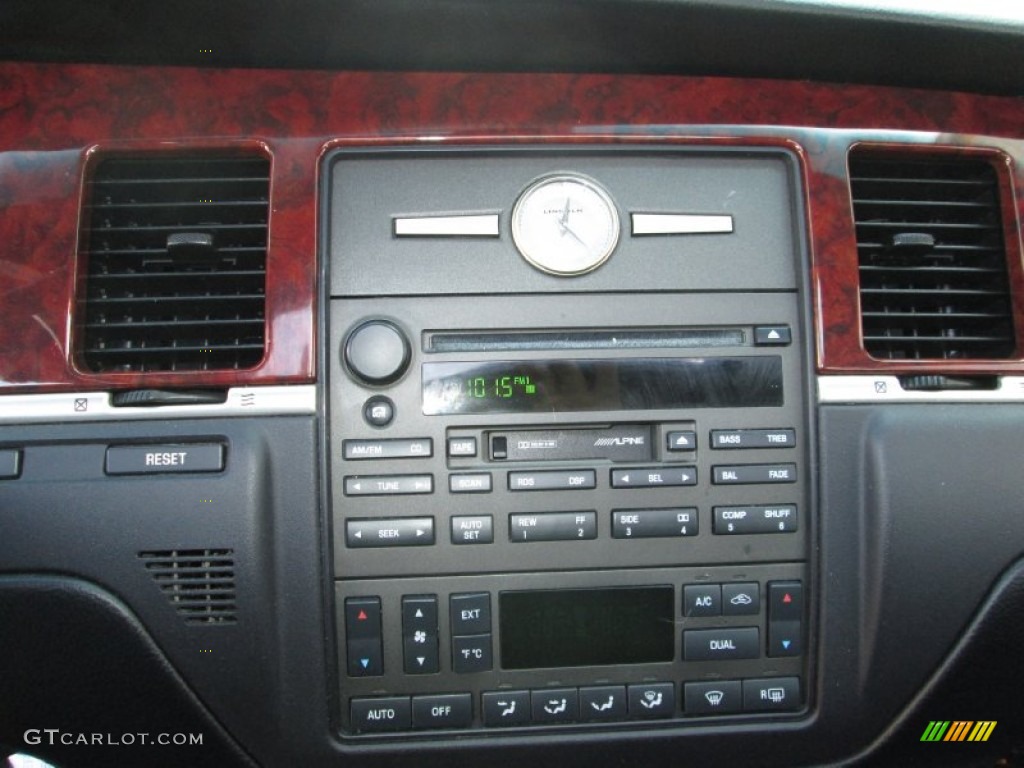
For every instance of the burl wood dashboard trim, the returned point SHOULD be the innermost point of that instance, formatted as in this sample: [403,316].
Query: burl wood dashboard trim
[53,117]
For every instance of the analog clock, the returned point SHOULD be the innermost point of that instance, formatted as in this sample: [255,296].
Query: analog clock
[565,224]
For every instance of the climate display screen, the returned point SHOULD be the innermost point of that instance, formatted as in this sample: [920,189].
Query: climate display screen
[546,386]
[586,627]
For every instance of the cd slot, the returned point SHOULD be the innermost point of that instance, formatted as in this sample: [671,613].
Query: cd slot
[517,341]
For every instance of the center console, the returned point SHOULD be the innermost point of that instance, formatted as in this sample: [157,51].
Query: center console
[571,486]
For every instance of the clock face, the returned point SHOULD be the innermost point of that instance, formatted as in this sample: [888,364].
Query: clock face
[565,225]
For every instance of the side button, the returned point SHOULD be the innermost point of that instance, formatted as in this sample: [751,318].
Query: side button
[381,714]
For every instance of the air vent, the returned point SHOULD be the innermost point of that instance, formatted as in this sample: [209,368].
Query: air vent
[200,583]
[176,263]
[933,277]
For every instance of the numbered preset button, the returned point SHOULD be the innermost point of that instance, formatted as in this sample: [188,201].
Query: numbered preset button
[654,523]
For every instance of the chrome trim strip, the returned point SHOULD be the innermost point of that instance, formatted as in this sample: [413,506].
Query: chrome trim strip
[680,224]
[464,225]
[887,389]
[71,407]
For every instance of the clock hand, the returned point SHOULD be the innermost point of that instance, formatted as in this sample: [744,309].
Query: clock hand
[564,218]
[576,237]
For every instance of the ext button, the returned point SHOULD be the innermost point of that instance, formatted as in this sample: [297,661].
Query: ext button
[652,700]
[603,702]
[702,600]
[653,523]
[753,438]
[555,705]
[472,529]
[506,707]
[746,474]
[583,479]
[722,697]
[357,450]
[773,693]
[553,526]
[775,518]
[10,464]
[721,644]
[470,614]
[159,459]
[453,710]
[653,477]
[394,532]
[388,485]
[381,714]
[475,483]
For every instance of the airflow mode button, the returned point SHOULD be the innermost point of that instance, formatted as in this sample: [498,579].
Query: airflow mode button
[159,459]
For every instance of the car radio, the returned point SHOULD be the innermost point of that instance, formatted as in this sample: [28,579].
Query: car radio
[573,499]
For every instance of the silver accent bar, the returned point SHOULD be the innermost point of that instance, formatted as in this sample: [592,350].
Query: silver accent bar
[681,224]
[456,225]
[887,389]
[72,407]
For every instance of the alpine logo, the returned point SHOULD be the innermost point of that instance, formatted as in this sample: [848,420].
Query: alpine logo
[606,441]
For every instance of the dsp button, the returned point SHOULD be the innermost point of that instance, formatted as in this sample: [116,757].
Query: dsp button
[393,532]
[452,710]
[579,480]
[721,644]
[392,713]
[160,459]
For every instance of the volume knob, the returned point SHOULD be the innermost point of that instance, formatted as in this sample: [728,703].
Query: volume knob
[377,352]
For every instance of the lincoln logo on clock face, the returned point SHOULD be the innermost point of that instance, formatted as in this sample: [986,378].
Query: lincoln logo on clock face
[565,224]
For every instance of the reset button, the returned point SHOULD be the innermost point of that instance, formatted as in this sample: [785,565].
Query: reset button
[159,459]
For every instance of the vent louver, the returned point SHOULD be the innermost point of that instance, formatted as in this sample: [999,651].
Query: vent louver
[933,274]
[176,256]
[200,583]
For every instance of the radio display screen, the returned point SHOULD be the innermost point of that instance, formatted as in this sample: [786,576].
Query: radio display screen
[586,627]
[546,386]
